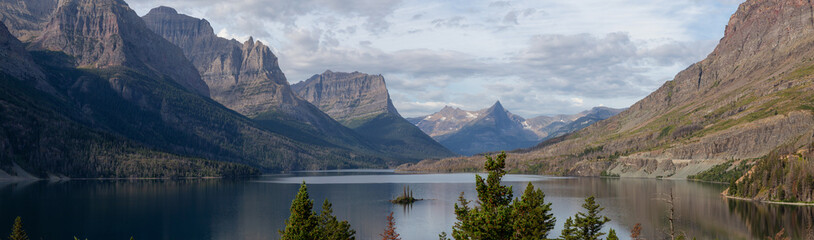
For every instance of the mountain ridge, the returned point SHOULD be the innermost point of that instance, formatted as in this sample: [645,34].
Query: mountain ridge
[464,131]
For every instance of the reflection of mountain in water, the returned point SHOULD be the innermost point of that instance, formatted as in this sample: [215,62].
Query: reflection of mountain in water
[763,219]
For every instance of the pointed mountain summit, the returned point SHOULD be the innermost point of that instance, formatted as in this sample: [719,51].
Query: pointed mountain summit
[361,101]
[751,96]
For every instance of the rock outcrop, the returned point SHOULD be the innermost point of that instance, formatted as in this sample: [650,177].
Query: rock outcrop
[26,18]
[752,94]
[361,101]
[107,33]
[347,97]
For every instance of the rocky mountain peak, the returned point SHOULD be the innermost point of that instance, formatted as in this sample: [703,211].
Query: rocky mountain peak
[107,33]
[245,77]
[496,108]
[347,96]
[163,10]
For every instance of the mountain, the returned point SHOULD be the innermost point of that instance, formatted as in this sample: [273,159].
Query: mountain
[246,77]
[495,129]
[110,34]
[127,102]
[25,19]
[361,102]
[752,95]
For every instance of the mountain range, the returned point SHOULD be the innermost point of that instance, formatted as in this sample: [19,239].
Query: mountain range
[753,95]
[496,129]
[97,91]
[163,96]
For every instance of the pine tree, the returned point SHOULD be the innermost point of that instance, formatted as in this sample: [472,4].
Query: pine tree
[612,235]
[532,216]
[390,229]
[495,216]
[332,229]
[590,224]
[302,224]
[17,232]
[492,219]
[569,231]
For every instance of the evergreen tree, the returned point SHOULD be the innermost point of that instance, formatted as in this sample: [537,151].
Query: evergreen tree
[17,232]
[569,231]
[532,216]
[390,229]
[590,224]
[492,219]
[612,235]
[302,224]
[495,216]
[332,229]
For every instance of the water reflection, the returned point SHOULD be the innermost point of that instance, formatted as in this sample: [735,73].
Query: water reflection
[771,218]
[257,208]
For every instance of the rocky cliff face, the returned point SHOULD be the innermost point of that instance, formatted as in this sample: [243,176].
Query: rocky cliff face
[347,97]
[468,131]
[361,102]
[752,94]
[107,33]
[26,18]
[244,77]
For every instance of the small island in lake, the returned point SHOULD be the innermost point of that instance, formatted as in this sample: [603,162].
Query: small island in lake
[406,197]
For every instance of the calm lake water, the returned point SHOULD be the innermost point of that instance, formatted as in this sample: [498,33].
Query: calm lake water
[257,208]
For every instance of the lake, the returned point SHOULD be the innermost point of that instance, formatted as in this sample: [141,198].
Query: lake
[256,208]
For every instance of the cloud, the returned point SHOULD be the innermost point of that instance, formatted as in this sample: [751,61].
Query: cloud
[245,14]
[510,18]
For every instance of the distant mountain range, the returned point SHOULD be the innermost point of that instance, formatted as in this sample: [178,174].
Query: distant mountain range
[495,128]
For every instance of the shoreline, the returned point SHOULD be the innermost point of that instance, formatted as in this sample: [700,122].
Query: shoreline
[86,179]
[768,202]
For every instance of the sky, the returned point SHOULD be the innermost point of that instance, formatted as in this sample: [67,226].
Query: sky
[537,57]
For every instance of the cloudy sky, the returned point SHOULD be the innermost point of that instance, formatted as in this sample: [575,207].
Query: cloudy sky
[538,57]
